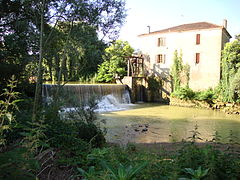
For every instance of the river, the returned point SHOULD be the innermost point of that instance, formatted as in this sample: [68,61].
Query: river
[154,123]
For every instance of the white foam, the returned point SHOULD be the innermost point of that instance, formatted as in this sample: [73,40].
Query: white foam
[107,103]
[110,103]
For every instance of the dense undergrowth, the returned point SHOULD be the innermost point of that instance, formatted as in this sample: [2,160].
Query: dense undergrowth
[186,93]
[73,147]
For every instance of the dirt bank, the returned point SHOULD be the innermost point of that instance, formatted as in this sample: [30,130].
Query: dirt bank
[229,108]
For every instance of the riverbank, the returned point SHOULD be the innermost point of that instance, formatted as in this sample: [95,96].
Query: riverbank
[229,108]
[162,161]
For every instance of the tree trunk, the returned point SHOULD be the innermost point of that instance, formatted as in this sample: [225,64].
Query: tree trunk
[37,97]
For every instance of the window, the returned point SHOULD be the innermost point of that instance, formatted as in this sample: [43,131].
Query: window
[198,39]
[160,58]
[161,41]
[197,60]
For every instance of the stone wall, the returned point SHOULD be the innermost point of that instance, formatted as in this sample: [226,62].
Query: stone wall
[148,89]
[189,103]
[137,86]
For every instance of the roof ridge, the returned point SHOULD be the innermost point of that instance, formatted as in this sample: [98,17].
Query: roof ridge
[187,27]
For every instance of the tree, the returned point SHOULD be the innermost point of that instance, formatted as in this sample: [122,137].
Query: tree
[17,38]
[175,71]
[20,33]
[180,73]
[230,77]
[114,63]
[27,27]
[39,75]
[77,50]
[82,52]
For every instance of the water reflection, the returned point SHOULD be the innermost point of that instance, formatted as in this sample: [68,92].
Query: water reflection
[168,124]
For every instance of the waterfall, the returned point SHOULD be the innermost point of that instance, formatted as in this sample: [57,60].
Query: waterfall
[109,96]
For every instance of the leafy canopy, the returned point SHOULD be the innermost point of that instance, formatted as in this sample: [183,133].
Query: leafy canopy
[115,63]
[90,24]
[230,89]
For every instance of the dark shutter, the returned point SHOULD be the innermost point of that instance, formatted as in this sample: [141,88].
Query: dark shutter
[197,58]
[198,39]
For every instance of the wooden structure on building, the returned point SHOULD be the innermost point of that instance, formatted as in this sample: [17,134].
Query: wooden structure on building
[135,66]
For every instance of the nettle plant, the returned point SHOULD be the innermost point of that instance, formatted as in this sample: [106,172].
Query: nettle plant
[8,104]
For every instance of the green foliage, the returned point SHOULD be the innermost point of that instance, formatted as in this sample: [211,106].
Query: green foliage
[73,151]
[97,155]
[180,73]
[219,164]
[92,134]
[90,174]
[70,139]
[154,83]
[16,39]
[195,135]
[197,174]
[89,24]
[85,112]
[73,133]
[78,55]
[15,164]
[207,95]
[89,133]
[7,108]
[184,93]
[236,86]
[230,71]
[124,172]
[176,70]
[191,161]
[34,137]
[186,70]
[114,63]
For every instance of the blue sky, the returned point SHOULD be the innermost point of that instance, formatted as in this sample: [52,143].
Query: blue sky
[160,14]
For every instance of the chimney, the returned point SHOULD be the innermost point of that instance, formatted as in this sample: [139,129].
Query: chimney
[149,30]
[225,23]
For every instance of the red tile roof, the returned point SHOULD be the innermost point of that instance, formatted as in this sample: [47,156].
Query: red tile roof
[186,27]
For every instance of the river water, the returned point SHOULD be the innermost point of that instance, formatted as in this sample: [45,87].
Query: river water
[154,123]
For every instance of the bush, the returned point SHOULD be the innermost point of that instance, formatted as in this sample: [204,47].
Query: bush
[184,93]
[14,164]
[92,134]
[207,95]
[72,151]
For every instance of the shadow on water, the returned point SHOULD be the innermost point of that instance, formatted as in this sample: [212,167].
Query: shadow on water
[152,123]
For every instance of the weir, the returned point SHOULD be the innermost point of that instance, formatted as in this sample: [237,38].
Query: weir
[114,94]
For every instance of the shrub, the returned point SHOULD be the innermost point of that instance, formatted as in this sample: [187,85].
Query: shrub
[14,164]
[91,133]
[184,93]
[207,95]
[72,151]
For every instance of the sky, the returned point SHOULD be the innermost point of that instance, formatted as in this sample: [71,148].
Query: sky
[161,14]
